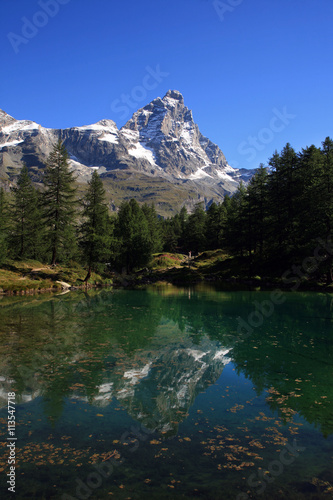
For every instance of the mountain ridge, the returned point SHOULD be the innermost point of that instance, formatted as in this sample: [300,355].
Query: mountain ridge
[160,141]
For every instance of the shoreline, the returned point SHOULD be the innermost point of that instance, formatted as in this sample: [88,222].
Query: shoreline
[143,281]
[55,290]
[33,278]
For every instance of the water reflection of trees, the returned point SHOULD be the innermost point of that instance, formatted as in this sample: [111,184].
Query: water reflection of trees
[291,354]
[72,343]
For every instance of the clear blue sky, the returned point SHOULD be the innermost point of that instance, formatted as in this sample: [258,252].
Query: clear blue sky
[238,69]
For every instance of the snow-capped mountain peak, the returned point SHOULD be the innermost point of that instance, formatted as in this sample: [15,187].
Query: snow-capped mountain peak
[160,140]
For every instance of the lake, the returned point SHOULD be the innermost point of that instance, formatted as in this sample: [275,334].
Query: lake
[168,393]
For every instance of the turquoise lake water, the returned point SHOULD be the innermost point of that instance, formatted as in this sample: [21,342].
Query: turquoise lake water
[168,393]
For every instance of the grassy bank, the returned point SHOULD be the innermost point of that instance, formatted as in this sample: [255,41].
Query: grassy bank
[217,266]
[28,277]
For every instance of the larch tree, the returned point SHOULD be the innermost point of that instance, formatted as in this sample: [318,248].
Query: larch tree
[3,225]
[59,205]
[25,218]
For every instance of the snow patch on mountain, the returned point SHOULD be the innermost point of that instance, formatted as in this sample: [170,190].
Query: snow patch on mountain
[113,138]
[130,135]
[224,175]
[11,143]
[101,126]
[141,151]
[20,126]
[199,174]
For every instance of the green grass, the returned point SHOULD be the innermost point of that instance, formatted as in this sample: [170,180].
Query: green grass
[20,276]
[210,258]
[166,260]
[210,265]
[17,280]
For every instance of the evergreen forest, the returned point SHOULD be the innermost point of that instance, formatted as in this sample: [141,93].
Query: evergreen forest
[283,219]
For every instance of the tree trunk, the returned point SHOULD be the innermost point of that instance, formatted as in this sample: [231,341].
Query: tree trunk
[329,275]
[88,276]
[54,255]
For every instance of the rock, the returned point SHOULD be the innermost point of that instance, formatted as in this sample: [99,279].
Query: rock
[64,285]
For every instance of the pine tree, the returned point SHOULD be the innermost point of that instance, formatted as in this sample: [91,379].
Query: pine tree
[258,208]
[59,205]
[183,218]
[154,226]
[95,237]
[133,234]
[25,218]
[308,201]
[195,231]
[171,233]
[236,225]
[213,226]
[326,200]
[3,226]
[283,189]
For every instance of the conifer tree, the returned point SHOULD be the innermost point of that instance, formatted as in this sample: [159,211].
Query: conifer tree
[3,226]
[171,233]
[133,234]
[213,226]
[236,226]
[309,199]
[154,226]
[326,200]
[25,216]
[180,222]
[95,237]
[282,189]
[258,208]
[195,239]
[59,205]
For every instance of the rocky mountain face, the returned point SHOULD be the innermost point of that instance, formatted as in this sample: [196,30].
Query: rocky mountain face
[158,152]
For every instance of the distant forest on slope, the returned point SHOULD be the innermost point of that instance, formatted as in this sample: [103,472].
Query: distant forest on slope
[283,217]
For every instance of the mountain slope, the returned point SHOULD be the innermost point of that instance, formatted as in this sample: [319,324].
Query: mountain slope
[159,155]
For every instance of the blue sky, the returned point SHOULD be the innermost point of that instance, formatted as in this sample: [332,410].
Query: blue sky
[256,73]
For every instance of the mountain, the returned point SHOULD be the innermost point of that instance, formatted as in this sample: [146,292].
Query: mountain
[158,156]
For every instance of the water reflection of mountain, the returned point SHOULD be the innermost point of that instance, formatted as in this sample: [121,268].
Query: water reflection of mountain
[154,351]
[109,345]
[160,389]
